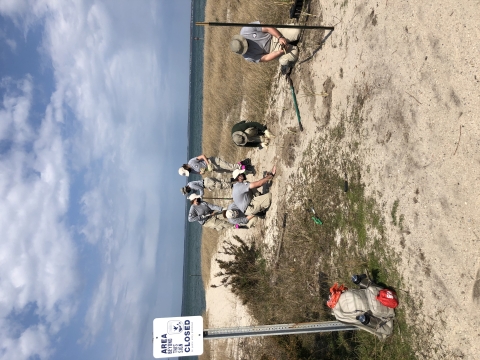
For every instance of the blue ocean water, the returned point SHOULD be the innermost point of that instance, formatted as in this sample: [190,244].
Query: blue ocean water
[193,300]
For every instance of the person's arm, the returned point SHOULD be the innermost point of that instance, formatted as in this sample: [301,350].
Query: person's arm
[203,157]
[257,184]
[193,215]
[271,56]
[197,186]
[261,182]
[274,32]
[214,207]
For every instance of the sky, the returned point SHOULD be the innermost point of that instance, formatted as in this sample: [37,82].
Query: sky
[93,127]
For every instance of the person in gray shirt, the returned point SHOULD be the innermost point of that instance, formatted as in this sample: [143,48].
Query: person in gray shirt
[236,217]
[201,164]
[206,214]
[261,44]
[207,183]
[243,193]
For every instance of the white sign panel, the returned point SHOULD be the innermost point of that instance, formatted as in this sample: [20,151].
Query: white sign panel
[176,337]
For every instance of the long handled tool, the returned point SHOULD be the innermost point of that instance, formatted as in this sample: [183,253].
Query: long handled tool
[295,102]
[217,198]
[315,218]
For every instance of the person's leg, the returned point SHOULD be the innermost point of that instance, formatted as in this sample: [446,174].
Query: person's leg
[252,222]
[222,184]
[215,223]
[292,56]
[253,135]
[220,165]
[251,131]
[259,203]
[216,184]
[274,44]
[290,34]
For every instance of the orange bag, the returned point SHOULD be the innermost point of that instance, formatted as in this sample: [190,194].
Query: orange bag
[388,298]
[335,292]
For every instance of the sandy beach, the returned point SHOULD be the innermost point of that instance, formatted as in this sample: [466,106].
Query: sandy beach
[412,70]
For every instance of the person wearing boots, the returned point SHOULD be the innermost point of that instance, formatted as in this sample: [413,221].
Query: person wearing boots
[201,165]
[261,44]
[206,214]
[243,193]
[208,183]
[251,134]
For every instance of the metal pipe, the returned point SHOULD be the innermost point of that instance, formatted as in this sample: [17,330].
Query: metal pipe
[279,329]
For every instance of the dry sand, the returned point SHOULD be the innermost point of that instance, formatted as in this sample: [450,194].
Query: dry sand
[416,67]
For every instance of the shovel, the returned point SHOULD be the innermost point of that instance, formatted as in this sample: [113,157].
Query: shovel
[295,103]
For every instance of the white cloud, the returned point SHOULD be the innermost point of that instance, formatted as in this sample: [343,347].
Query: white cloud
[110,88]
[12,44]
[34,341]
[37,256]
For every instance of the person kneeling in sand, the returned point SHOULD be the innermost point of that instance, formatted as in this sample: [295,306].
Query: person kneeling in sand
[208,183]
[243,193]
[236,217]
[200,165]
[251,134]
[206,214]
[261,44]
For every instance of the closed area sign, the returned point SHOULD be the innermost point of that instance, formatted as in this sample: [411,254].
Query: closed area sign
[179,336]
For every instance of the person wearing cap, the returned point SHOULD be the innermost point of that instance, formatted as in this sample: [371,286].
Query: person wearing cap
[243,193]
[206,214]
[251,134]
[261,44]
[201,164]
[208,183]
[236,217]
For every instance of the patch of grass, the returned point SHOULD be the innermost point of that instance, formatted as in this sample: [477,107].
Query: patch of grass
[400,221]
[338,132]
[394,212]
[351,240]
[230,82]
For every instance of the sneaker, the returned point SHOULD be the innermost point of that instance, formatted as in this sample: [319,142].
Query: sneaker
[245,162]
[261,214]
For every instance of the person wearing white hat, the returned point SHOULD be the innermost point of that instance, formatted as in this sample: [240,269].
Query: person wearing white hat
[236,217]
[243,193]
[201,164]
[261,44]
[206,214]
[208,183]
